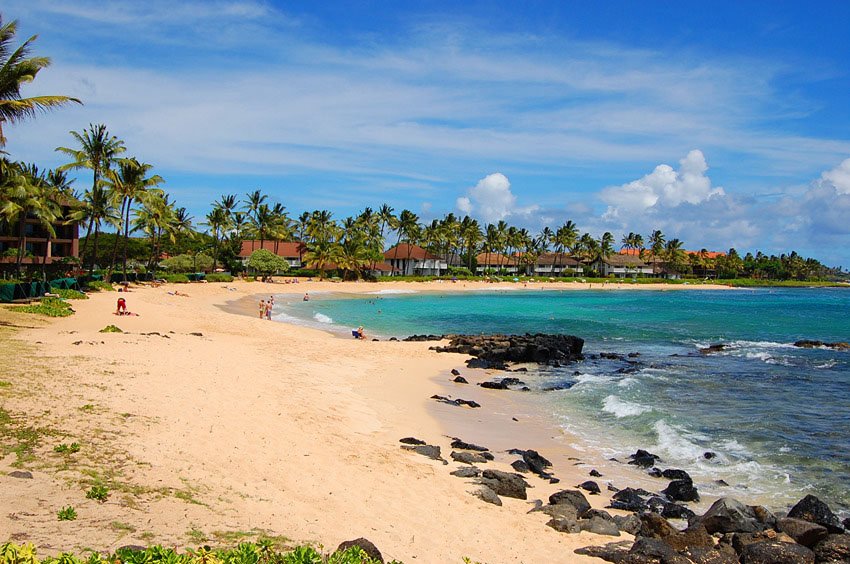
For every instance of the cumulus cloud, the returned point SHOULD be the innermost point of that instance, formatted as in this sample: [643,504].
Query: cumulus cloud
[664,187]
[492,200]
[824,208]
[838,178]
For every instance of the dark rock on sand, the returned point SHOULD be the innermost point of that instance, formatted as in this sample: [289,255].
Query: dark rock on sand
[467,472]
[804,532]
[457,443]
[500,349]
[455,372]
[628,499]
[365,545]
[654,526]
[468,403]
[654,472]
[506,484]
[612,552]
[536,462]
[643,458]
[494,385]
[422,338]
[595,473]
[24,474]
[727,515]
[776,552]
[681,490]
[653,551]
[676,511]
[717,347]
[411,441]
[520,466]
[564,525]
[628,523]
[590,486]
[674,474]
[431,451]
[485,493]
[573,498]
[808,344]
[468,457]
[458,402]
[835,548]
[599,526]
[460,380]
[810,508]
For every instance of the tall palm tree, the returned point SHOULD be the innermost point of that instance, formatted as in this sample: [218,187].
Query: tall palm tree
[407,227]
[17,68]
[252,207]
[98,150]
[129,181]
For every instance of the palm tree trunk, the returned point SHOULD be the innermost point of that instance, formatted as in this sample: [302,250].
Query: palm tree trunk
[94,248]
[86,241]
[126,237]
[117,239]
[22,243]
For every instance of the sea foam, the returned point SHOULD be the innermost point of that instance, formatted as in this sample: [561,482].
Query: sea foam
[621,408]
[322,318]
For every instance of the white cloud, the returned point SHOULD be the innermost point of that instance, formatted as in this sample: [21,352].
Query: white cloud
[664,187]
[492,200]
[839,178]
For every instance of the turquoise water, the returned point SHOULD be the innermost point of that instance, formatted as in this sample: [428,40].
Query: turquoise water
[777,416]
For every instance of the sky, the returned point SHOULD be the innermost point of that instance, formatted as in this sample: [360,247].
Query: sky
[725,124]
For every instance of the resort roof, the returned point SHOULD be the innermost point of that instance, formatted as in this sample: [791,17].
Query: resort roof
[495,259]
[286,249]
[407,251]
[625,260]
[707,254]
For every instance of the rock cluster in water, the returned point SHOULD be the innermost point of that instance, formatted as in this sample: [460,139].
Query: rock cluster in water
[496,351]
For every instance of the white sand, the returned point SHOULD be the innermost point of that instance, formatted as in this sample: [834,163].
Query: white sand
[254,427]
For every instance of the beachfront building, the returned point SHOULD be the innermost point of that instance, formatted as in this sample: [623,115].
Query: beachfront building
[496,263]
[625,266]
[292,251]
[412,260]
[39,245]
[556,264]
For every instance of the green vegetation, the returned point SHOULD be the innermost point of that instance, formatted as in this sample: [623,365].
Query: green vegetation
[51,307]
[67,514]
[111,329]
[99,286]
[175,278]
[99,493]
[216,277]
[261,552]
[67,448]
[68,294]
[266,262]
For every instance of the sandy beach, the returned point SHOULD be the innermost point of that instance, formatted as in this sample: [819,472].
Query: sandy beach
[211,427]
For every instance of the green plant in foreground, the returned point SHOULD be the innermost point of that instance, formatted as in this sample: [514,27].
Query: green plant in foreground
[67,448]
[10,553]
[67,514]
[51,307]
[99,493]
[111,329]
[99,286]
[69,294]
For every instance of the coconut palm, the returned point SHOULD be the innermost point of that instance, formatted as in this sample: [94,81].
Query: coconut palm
[127,183]
[407,227]
[17,68]
[252,205]
[98,150]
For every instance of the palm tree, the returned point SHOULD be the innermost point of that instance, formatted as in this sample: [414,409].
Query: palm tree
[252,207]
[16,69]
[673,254]
[565,238]
[127,183]
[656,243]
[470,233]
[407,227]
[98,150]
[155,217]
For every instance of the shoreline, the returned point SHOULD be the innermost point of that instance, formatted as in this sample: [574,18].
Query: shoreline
[204,426]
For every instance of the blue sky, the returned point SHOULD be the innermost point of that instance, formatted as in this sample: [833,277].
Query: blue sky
[721,123]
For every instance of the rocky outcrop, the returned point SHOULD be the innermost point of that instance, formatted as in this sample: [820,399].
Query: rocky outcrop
[496,351]
[681,490]
[727,515]
[811,509]
[808,344]
[776,552]
[365,545]
[431,451]
[505,484]
[834,548]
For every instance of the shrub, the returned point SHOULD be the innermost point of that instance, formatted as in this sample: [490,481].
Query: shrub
[266,262]
[67,514]
[69,294]
[51,307]
[219,278]
[67,448]
[99,493]
[187,263]
[176,278]
[111,329]
[99,286]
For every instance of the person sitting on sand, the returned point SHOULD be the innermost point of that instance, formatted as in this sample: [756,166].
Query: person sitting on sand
[122,307]
[360,334]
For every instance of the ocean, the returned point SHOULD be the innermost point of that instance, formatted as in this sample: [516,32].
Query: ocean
[776,416]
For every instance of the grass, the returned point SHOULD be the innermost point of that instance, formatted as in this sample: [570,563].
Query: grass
[5,384]
[99,286]
[196,535]
[51,307]
[67,448]
[69,294]
[98,493]
[123,527]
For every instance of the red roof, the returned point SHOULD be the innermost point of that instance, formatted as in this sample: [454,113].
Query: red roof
[286,249]
[406,251]
[708,254]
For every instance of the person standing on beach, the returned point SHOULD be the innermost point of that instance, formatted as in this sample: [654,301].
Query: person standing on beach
[269,306]
[262,308]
